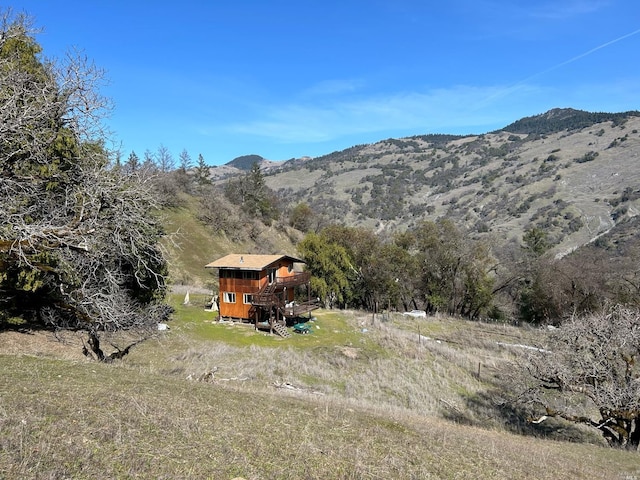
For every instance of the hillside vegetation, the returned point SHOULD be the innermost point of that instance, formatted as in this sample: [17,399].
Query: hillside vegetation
[532,222]
[356,399]
[572,173]
[195,238]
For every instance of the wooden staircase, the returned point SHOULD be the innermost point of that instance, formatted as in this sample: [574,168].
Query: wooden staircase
[269,301]
[266,296]
[281,330]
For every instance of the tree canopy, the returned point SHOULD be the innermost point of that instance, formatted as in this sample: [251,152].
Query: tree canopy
[78,237]
[588,374]
[434,266]
[331,268]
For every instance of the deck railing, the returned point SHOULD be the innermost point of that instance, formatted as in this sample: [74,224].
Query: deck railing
[299,278]
[267,296]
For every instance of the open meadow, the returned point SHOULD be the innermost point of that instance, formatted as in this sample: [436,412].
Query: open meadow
[358,398]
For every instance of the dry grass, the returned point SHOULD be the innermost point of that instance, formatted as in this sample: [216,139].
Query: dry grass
[368,405]
[62,419]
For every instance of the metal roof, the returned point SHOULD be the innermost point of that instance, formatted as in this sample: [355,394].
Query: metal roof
[243,261]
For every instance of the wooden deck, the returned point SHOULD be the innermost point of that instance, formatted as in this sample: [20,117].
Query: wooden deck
[301,309]
[294,280]
[273,300]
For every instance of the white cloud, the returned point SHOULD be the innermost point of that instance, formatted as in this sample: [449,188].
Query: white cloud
[438,109]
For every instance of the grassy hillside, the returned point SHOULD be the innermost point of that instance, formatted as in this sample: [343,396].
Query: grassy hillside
[355,399]
[191,243]
[564,171]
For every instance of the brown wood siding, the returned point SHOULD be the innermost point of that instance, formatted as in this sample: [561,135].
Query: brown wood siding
[242,286]
[239,287]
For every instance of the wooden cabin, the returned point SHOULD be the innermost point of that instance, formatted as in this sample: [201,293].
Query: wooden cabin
[261,289]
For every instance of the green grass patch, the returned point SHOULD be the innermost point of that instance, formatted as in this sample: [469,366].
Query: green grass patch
[328,329]
[354,399]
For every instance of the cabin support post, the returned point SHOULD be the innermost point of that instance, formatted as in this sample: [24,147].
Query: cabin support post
[270,320]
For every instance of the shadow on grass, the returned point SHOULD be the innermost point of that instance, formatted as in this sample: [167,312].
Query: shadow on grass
[490,409]
[14,324]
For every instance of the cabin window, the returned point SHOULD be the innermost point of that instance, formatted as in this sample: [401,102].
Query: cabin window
[250,275]
[229,297]
[290,268]
[247,298]
[230,273]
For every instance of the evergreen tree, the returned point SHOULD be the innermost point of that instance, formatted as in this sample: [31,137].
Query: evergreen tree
[202,171]
[78,240]
[252,193]
[133,162]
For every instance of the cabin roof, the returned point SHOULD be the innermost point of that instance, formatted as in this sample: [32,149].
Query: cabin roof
[243,261]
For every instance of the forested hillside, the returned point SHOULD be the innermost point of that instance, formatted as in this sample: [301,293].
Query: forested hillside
[572,173]
[479,225]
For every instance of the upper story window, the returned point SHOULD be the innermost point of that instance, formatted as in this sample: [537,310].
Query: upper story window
[229,297]
[250,275]
[239,274]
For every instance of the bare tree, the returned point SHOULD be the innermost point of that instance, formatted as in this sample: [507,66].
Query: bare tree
[588,374]
[182,176]
[164,159]
[78,240]
[185,161]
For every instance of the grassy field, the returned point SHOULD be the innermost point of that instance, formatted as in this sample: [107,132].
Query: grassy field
[359,398]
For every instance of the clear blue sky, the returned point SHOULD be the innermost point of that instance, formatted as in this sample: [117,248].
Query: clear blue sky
[288,78]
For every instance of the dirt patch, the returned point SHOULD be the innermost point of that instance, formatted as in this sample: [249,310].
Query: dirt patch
[349,352]
[65,345]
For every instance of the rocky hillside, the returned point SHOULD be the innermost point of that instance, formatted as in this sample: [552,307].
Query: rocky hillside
[573,173]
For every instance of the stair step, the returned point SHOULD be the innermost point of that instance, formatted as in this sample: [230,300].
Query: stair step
[281,330]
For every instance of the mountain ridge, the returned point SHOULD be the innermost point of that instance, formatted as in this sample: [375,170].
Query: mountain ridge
[551,121]
[570,172]
[559,119]
[564,171]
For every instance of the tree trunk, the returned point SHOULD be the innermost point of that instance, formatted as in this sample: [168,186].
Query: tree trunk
[94,344]
[634,435]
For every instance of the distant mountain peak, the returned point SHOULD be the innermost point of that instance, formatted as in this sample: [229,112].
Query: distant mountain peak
[561,113]
[559,119]
[245,162]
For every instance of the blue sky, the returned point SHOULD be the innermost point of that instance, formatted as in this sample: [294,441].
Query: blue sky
[286,79]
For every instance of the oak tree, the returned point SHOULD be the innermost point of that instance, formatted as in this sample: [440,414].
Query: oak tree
[589,374]
[78,238]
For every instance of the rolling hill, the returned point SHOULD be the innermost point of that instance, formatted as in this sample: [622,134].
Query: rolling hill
[573,173]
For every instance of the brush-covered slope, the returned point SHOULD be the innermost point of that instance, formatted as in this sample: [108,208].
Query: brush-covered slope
[575,174]
[202,229]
